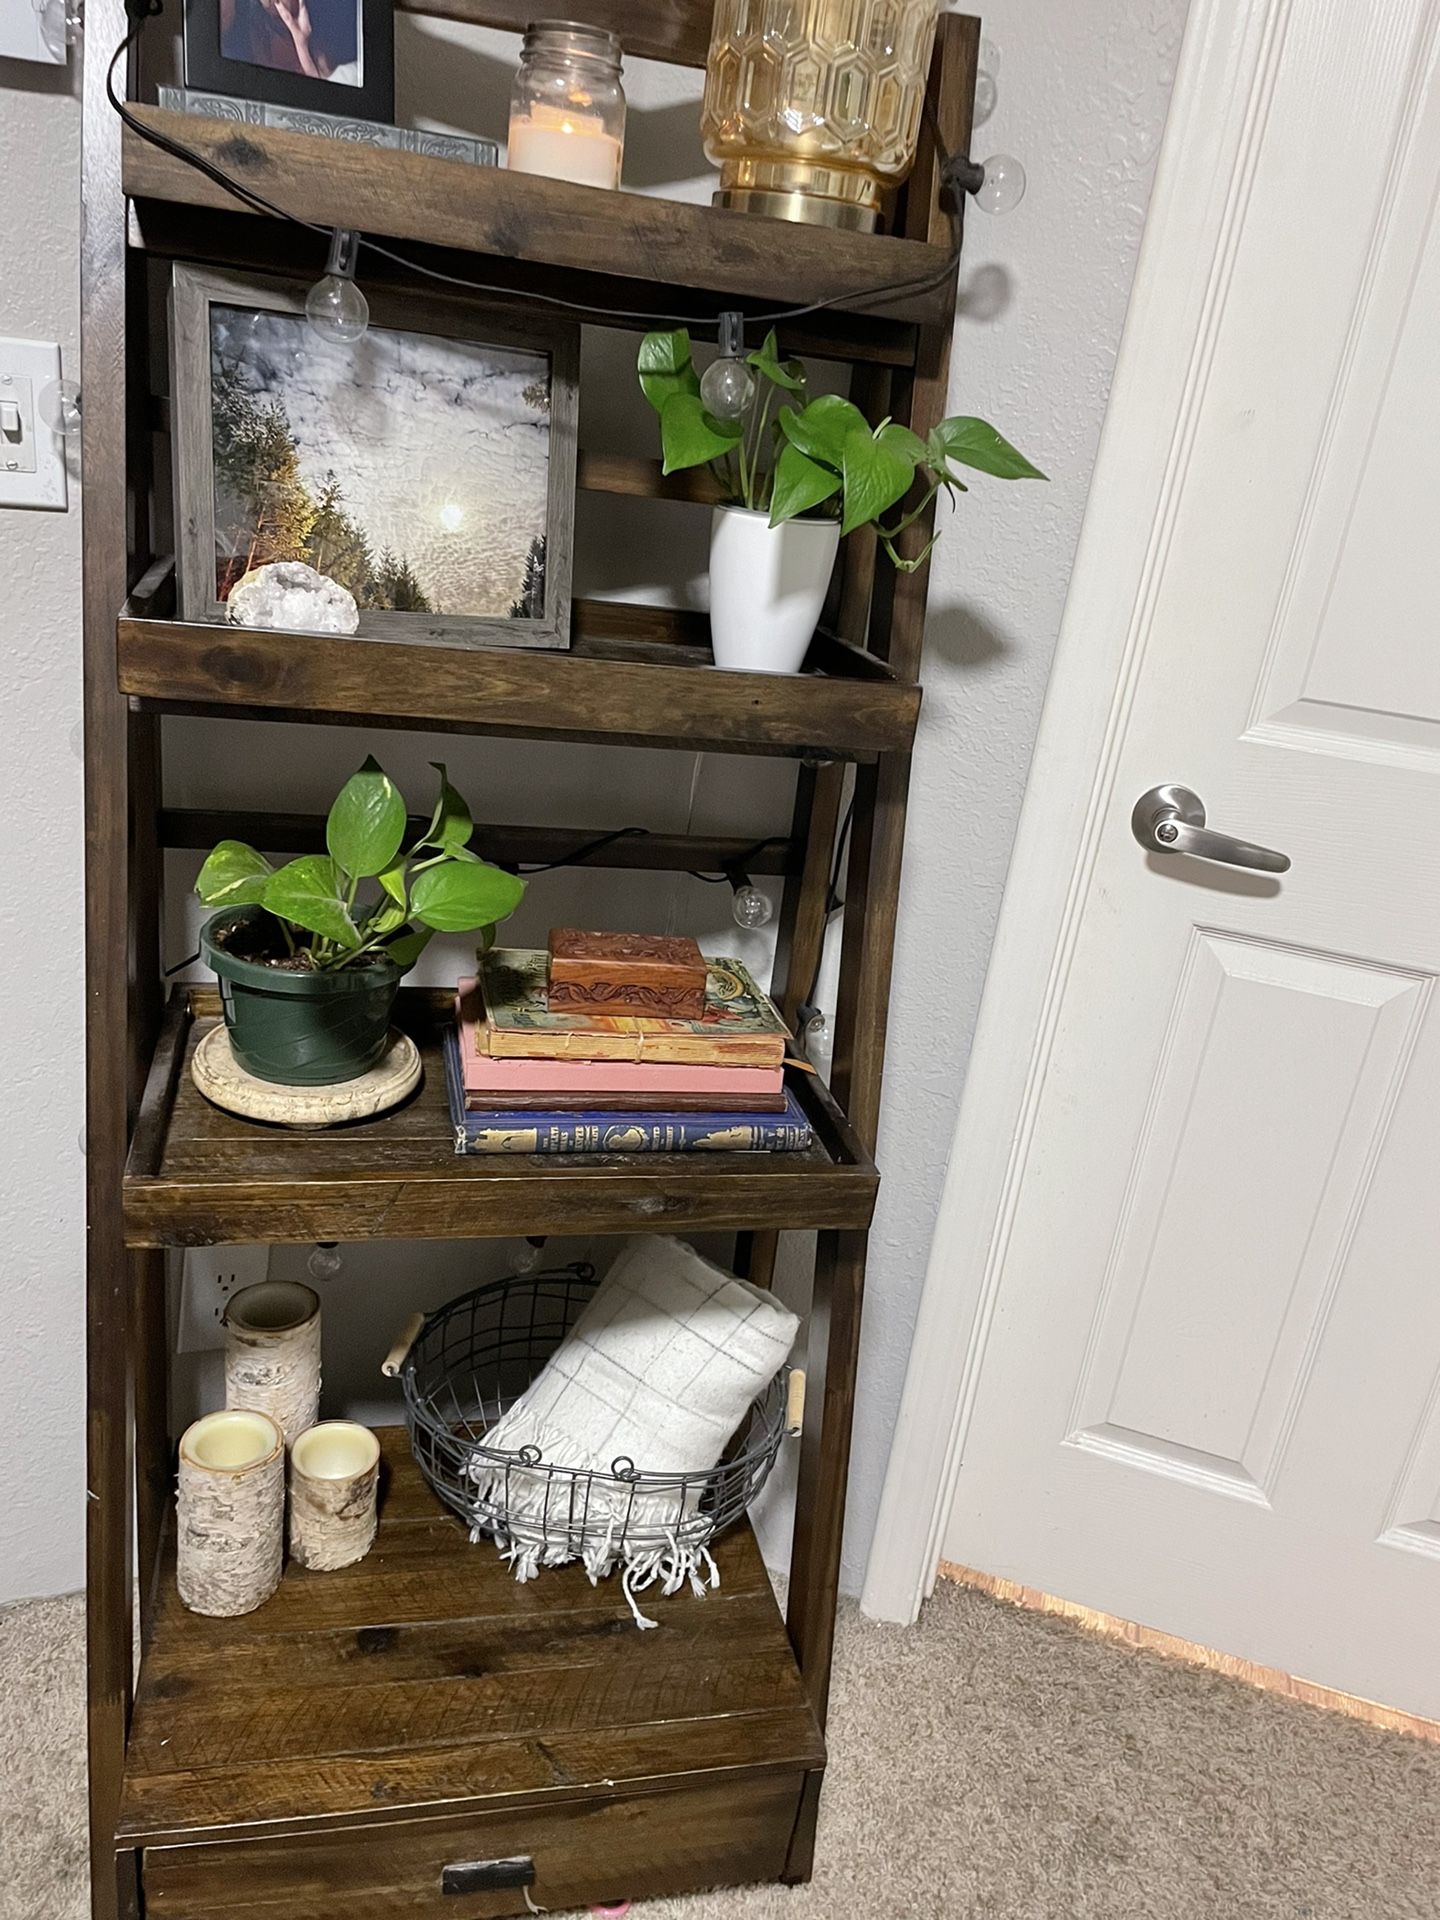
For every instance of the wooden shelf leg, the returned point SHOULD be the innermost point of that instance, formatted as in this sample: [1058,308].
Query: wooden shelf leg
[109,1626]
[799,944]
[831,1358]
[150,1345]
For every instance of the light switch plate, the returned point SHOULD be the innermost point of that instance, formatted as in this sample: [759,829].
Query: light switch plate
[32,453]
[31,32]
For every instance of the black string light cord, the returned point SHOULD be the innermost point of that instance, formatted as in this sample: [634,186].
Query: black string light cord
[957,177]
[589,848]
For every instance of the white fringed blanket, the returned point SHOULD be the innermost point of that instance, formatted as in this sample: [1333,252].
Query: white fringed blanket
[657,1373]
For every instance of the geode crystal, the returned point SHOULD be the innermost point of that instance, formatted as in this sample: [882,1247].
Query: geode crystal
[287,593]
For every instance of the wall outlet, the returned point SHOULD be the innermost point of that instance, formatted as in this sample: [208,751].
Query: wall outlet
[208,1278]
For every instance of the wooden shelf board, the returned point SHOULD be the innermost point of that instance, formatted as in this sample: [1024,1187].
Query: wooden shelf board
[635,676]
[657,244]
[427,1681]
[200,1177]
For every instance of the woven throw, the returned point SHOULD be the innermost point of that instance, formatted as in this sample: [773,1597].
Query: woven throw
[655,1375]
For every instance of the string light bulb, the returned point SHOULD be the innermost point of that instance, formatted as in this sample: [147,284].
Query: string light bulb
[987,76]
[813,1031]
[1003,187]
[325,1261]
[335,307]
[749,907]
[60,408]
[727,385]
[531,1248]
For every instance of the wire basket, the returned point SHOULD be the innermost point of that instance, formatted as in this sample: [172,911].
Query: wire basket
[470,1362]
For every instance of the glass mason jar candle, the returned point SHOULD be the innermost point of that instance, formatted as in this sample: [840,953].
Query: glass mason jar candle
[567,108]
[812,107]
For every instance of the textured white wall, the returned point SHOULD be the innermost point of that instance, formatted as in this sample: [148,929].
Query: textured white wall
[42,1231]
[1083,92]
[1082,101]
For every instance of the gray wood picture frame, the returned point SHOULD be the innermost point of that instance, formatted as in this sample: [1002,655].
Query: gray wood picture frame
[195,290]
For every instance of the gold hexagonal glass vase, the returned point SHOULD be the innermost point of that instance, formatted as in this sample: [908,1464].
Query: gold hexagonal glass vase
[812,107]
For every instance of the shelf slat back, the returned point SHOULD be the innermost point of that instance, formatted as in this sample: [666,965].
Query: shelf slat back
[675,31]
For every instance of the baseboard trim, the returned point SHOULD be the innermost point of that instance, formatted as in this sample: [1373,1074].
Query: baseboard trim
[1267,1679]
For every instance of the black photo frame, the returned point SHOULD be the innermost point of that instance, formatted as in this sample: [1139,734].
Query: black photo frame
[216,30]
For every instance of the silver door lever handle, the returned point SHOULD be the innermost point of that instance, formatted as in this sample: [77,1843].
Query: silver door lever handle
[1171,819]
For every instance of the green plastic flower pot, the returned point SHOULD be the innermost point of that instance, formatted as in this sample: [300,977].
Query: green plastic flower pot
[300,1029]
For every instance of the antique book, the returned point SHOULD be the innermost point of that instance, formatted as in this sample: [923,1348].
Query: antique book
[625,1086]
[502,1130]
[739,1026]
[649,974]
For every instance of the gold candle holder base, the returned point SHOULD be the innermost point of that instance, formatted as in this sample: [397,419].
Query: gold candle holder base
[812,209]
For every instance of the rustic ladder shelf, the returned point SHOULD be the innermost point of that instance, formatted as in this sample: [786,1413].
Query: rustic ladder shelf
[342,1746]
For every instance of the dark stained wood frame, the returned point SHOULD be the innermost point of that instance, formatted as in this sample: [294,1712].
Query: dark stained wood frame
[634,674]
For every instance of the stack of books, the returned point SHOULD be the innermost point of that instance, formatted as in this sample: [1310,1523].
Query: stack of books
[546,1055]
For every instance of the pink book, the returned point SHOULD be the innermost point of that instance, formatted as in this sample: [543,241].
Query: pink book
[485,1073]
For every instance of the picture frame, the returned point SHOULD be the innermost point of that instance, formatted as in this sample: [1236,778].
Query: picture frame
[429,466]
[279,51]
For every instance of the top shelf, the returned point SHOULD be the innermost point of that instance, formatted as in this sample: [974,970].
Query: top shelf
[547,223]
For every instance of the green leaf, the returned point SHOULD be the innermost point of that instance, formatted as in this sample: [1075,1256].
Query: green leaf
[875,478]
[450,824]
[408,948]
[307,892]
[800,483]
[975,443]
[388,917]
[689,436]
[233,875]
[666,368]
[789,374]
[393,882]
[900,440]
[366,823]
[461,895]
[820,428]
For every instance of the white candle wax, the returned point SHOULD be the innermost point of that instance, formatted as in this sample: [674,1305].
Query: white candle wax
[564,146]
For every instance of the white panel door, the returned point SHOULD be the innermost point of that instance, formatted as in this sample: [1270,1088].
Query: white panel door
[1208,1397]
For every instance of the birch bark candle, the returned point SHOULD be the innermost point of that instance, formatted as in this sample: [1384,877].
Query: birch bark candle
[334,1473]
[230,1531]
[272,1354]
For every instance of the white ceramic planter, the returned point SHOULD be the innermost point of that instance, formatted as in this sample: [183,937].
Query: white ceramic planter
[767,586]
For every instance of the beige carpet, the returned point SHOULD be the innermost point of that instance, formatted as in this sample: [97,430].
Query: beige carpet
[990,1763]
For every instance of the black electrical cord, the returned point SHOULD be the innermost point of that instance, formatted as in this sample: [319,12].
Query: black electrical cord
[585,850]
[953,174]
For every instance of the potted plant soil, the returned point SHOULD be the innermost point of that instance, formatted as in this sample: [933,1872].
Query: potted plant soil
[310,955]
[799,475]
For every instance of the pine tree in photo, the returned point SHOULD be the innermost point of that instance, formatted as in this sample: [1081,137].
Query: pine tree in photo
[263,509]
[337,546]
[531,603]
[394,587]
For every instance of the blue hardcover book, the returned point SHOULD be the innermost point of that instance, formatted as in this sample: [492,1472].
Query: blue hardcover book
[484,1130]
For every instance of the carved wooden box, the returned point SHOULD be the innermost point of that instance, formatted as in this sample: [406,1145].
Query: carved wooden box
[660,975]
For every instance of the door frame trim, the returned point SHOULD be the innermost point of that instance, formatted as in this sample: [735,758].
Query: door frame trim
[1213,136]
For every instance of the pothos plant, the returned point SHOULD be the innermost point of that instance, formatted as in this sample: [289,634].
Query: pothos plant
[788,455]
[324,914]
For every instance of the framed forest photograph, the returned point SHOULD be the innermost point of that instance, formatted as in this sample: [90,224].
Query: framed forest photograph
[428,467]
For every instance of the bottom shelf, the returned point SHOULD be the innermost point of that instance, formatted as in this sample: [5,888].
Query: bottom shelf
[365,1730]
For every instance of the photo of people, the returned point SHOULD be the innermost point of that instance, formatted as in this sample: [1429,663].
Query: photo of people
[320,39]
